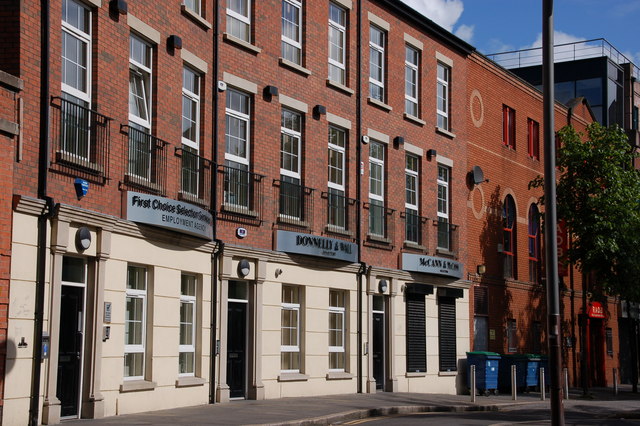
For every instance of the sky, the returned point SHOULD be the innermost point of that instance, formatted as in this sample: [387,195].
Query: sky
[494,26]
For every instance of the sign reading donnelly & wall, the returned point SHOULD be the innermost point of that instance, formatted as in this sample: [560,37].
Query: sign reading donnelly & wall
[314,245]
[431,265]
[169,214]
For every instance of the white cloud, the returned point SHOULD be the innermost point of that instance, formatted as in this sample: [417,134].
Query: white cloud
[443,12]
[465,32]
[558,38]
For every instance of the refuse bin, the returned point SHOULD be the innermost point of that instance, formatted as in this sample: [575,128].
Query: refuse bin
[526,372]
[487,366]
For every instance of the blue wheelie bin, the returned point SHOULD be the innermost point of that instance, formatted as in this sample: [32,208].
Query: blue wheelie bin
[526,372]
[487,366]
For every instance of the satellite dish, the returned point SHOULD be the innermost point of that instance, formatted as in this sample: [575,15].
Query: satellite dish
[478,175]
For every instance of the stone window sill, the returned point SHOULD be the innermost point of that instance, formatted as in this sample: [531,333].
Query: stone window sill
[414,119]
[339,375]
[380,104]
[447,373]
[197,18]
[295,67]
[340,87]
[293,377]
[410,375]
[188,381]
[239,42]
[445,132]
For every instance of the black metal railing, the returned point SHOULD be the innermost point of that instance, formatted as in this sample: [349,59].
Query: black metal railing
[295,203]
[80,139]
[416,231]
[146,160]
[380,223]
[340,214]
[195,176]
[447,242]
[241,190]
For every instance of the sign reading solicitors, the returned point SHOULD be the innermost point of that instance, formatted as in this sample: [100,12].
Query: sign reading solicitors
[431,265]
[169,214]
[313,245]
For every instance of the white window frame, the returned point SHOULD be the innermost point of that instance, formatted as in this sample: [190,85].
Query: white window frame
[195,98]
[241,18]
[444,184]
[443,86]
[412,69]
[247,119]
[340,311]
[342,30]
[297,135]
[297,44]
[295,348]
[84,38]
[413,175]
[341,150]
[138,294]
[146,74]
[197,6]
[190,300]
[373,47]
[377,162]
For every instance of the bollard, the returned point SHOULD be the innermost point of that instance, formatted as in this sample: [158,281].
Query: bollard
[615,381]
[514,386]
[543,396]
[566,383]
[473,383]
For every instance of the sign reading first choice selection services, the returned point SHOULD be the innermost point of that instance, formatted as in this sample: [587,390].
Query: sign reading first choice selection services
[169,214]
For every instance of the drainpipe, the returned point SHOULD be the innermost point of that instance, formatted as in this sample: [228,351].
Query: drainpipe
[359,188]
[41,257]
[219,247]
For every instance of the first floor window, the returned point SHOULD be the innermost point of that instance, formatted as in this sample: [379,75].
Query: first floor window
[337,330]
[290,330]
[376,189]
[187,354]
[412,221]
[135,322]
[442,98]
[534,244]
[509,237]
[444,227]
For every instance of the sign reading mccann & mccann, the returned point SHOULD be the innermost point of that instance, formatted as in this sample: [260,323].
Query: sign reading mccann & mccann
[431,265]
[169,214]
[313,245]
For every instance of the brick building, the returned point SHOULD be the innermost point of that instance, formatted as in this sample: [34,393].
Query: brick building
[275,206]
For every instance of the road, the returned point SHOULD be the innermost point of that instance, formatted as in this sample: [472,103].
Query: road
[523,417]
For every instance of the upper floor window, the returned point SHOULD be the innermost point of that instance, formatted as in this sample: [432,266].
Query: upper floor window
[377,45]
[291,191]
[509,127]
[236,156]
[190,108]
[239,19]
[376,189]
[533,138]
[76,52]
[337,44]
[336,180]
[292,31]
[411,62]
[444,227]
[412,231]
[442,109]
[195,5]
[140,77]
[509,237]
[534,244]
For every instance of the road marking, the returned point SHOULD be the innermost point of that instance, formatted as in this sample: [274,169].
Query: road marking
[377,418]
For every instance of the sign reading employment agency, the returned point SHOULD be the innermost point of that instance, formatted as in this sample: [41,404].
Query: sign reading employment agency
[169,214]
[431,265]
[314,245]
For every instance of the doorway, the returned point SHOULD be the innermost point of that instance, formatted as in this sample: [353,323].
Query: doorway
[71,336]
[237,339]
[379,342]
[596,353]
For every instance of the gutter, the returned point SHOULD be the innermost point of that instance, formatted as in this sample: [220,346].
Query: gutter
[359,191]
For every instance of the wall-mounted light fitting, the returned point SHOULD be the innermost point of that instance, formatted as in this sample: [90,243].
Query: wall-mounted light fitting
[83,238]
[383,285]
[278,272]
[270,91]
[481,269]
[118,7]
[244,267]
[397,141]
[319,110]
[365,139]
[431,153]
[174,42]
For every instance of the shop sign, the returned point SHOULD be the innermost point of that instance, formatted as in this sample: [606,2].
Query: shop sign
[596,310]
[169,214]
[431,265]
[314,245]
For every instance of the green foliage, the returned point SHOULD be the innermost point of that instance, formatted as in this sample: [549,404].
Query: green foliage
[598,195]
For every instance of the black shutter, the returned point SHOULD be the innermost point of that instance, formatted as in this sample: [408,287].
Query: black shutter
[416,334]
[447,333]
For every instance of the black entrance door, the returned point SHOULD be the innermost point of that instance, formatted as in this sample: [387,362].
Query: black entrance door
[378,349]
[70,350]
[237,350]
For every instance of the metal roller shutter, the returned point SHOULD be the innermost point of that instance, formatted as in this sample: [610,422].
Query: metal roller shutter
[416,334]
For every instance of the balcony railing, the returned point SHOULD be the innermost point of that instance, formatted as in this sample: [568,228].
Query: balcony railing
[195,177]
[416,231]
[447,237]
[242,192]
[146,160]
[80,140]
[380,223]
[340,214]
[295,203]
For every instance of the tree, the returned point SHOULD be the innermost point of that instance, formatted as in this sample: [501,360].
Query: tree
[598,196]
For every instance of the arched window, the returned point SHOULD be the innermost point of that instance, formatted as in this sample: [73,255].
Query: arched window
[509,237]
[534,244]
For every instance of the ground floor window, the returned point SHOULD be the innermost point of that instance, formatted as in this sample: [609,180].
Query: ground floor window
[447,333]
[416,334]
[290,330]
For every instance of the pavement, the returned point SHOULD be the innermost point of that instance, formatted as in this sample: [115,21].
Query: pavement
[337,409]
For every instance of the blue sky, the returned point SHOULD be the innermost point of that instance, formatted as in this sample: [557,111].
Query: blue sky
[499,25]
